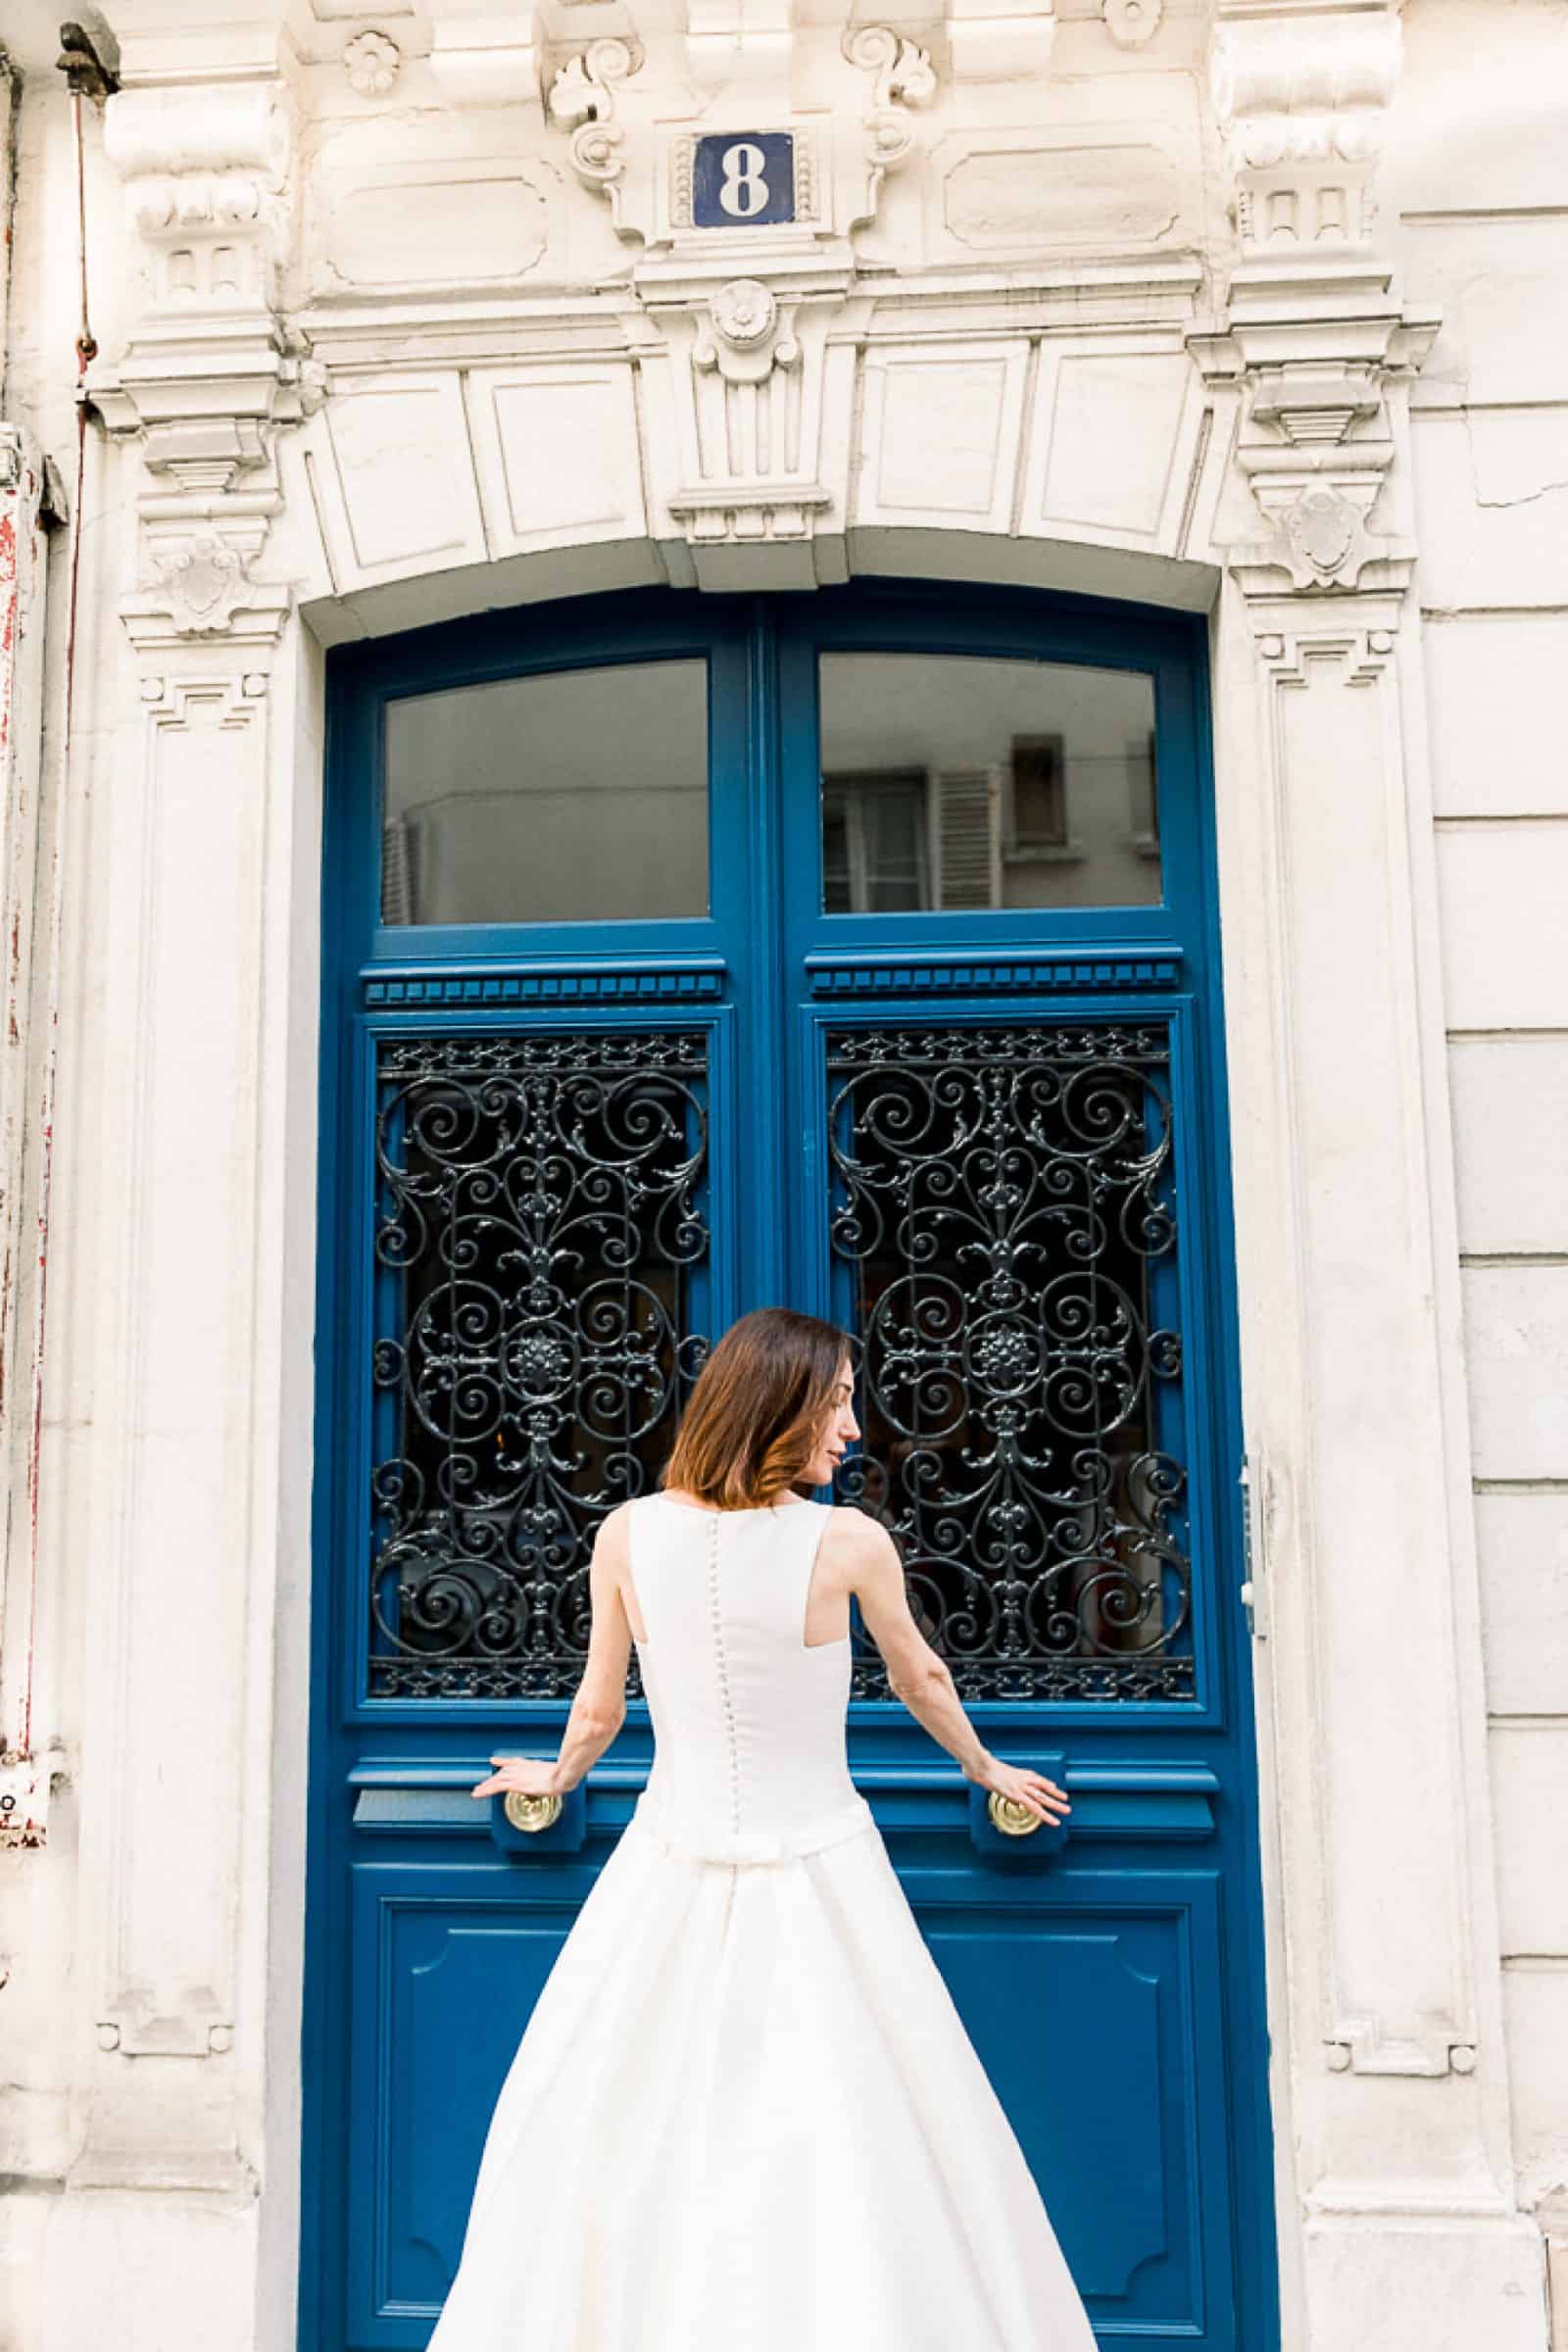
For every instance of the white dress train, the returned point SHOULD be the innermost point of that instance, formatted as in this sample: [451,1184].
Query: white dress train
[744,2115]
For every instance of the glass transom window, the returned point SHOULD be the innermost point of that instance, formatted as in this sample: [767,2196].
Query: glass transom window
[571,796]
[950,783]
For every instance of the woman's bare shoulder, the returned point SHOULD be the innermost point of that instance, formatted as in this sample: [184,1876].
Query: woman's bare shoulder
[614,1526]
[860,1542]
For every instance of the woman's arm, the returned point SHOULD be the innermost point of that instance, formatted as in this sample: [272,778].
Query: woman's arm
[598,1708]
[922,1679]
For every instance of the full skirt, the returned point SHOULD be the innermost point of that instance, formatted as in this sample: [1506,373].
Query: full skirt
[745,2116]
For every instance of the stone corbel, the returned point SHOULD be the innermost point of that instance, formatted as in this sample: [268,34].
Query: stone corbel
[207,369]
[582,100]
[210,372]
[1316,443]
[901,78]
[1315,345]
[206,168]
[1300,100]
[747,368]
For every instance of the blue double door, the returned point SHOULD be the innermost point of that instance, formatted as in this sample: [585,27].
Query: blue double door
[856,952]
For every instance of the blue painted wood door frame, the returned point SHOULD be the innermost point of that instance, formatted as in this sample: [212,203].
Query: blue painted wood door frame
[1148,2121]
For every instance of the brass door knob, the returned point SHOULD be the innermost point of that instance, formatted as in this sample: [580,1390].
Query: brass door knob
[1012,1818]
[526,1812]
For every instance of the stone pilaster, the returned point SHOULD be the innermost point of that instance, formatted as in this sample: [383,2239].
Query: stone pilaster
[1392,2073]
[173,2090]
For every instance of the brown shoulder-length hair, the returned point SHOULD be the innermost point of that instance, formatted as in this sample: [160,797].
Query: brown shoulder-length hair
[757,1411]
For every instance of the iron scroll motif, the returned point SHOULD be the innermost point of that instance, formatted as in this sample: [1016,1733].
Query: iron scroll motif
[1003,1206]
[541,1227]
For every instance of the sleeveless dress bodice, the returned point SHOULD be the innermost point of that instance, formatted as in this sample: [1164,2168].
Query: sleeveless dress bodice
[749,1721]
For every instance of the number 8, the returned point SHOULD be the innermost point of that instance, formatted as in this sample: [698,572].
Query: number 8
[744,192]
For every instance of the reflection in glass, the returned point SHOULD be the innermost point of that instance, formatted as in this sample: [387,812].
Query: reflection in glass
[951,783]
[575,796]
[874,843]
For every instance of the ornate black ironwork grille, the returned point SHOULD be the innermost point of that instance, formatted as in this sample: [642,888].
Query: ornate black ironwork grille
[541,1233]
[1003,1204]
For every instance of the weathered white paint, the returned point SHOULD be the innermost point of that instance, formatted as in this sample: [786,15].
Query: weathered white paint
[1022,342]
[1524,1568]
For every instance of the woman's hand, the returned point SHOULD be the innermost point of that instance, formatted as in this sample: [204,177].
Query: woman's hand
[535,1775]
[1030,1789]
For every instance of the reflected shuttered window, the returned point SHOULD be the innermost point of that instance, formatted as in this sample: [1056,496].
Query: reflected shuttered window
[953,784]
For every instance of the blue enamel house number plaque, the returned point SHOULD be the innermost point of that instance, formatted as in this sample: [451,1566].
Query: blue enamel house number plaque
[743,179]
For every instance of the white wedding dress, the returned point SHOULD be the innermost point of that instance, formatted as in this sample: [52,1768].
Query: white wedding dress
[744,2115]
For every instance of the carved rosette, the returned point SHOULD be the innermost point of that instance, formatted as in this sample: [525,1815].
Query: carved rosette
[372,61]
[743,338]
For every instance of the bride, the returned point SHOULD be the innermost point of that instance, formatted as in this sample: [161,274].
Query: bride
[744,2115]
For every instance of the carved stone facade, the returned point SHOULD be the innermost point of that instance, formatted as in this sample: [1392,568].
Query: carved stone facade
[1237,306]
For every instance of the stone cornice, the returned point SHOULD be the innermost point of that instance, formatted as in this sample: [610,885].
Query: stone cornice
[1103,296]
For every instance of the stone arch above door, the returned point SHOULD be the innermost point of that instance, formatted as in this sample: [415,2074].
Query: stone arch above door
[404,495]
[987,459]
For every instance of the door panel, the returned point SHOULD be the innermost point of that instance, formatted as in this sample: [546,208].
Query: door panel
[443,1961]
[1102,2091]
[927,1039]
[1083,1991]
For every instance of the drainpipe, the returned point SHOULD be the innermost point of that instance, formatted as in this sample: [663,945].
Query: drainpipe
[32,502]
